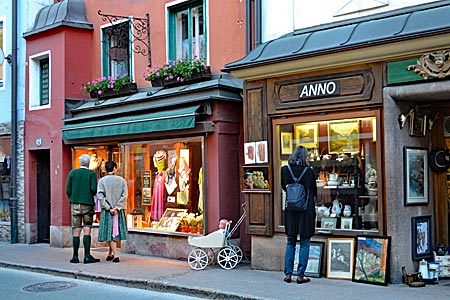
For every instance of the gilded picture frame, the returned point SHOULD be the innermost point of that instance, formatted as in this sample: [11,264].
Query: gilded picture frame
[340,260]
[307,135]
[343,136]
[286,143]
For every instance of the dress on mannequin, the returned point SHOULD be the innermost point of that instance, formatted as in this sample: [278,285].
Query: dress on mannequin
[158,197]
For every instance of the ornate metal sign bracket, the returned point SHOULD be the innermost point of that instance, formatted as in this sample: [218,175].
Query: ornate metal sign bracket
[140,32]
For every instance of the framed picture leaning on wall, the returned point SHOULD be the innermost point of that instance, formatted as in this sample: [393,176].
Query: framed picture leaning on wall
[340,253]
[371,263]
[421,237]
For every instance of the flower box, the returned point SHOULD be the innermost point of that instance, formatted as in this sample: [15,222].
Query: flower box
[128,89]
[196,77]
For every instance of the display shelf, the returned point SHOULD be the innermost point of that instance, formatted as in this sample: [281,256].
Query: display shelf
[255,178]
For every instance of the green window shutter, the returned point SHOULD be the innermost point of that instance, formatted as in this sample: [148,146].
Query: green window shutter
[44,82]
[105,57]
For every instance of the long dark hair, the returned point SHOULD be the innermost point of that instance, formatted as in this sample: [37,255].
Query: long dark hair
[299,156]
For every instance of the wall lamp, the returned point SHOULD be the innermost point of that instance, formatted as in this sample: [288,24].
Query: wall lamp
[402,118]
[3,57]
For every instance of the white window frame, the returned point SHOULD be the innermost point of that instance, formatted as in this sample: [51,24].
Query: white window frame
[3,45]
[34,68]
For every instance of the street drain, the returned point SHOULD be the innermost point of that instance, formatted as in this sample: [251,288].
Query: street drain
[50,286]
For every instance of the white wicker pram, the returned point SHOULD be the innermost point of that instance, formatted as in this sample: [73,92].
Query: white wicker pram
[216,244]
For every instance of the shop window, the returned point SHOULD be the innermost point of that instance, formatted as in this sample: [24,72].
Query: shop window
[99,156]
[2,45]
[5,175]
[165,185]
[187,39]
[40,80]
[116,49]
[342,154]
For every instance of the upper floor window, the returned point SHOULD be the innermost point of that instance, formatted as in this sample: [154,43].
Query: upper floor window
[116,49]
[187,37]
[3,47]
[39,80]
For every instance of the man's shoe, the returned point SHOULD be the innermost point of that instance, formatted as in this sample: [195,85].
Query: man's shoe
[303,280]
[91,260]
[74,260]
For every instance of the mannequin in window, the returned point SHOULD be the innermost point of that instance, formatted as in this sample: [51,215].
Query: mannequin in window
[158,197]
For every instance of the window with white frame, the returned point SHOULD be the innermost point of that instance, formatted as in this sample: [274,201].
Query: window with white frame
[116,42]
[187,37]
[2,45]
[39,80]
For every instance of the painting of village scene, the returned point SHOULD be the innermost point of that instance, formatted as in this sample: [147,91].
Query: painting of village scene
[371,260]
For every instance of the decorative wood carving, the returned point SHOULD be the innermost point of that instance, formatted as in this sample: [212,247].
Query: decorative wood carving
[434,65]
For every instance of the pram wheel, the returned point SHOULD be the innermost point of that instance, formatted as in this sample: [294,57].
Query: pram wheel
[198,259]
[238,252]
[227,258]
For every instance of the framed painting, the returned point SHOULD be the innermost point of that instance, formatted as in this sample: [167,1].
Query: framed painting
[146,177]
[249,150]
[417,124]
[286,142]
[421,237]
[306,135]
[343,136]
[170,219]
[328,223]
[340,254]
[315,259]
[371,263]
[346,223]
[261,152]
[415,175]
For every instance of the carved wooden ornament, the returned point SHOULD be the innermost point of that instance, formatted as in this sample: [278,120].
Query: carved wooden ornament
[434,65]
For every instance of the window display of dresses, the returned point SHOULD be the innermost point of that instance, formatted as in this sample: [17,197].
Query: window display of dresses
[158,197]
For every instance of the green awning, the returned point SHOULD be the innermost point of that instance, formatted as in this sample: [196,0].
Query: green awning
[180,118]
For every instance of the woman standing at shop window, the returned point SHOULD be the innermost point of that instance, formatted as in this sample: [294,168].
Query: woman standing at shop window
[299,222]
[112,193]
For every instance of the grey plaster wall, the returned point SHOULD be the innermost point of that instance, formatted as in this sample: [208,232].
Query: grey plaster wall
[398,216]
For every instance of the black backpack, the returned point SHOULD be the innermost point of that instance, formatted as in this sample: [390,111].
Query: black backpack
[296,193]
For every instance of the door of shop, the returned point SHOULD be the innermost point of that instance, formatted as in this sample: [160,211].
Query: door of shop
[43,195]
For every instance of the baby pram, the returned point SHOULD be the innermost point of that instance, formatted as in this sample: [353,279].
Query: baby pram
[216,244]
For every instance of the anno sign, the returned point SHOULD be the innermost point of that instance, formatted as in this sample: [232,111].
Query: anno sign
[318,89]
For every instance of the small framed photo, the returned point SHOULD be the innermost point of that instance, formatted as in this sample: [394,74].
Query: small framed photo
[340,254]
[417,124]
[372,259]
[249,152]
[416,175]
[315,259]
[328,223]
[346,222]
[286,142]
[421,237]
[261,152]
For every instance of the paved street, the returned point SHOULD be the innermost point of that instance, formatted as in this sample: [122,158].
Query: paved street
[166,275]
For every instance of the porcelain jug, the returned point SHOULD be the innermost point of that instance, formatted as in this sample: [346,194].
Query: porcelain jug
[336,208]
[347,211]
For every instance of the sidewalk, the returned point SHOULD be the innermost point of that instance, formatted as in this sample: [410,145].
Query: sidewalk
[166,275]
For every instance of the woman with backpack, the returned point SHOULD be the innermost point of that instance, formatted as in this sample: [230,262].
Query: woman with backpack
[299,222]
